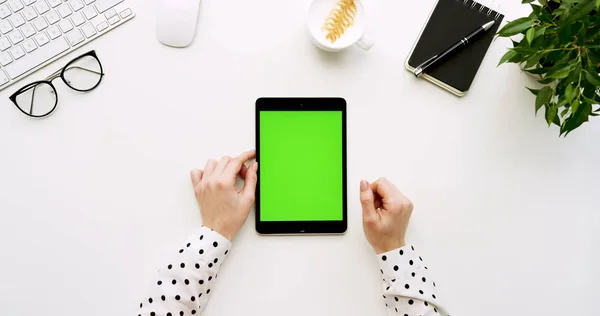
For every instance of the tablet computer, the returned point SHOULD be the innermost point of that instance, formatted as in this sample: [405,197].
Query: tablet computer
[301,154]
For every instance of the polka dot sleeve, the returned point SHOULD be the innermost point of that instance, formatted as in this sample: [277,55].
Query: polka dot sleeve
[408,288]
[182,286]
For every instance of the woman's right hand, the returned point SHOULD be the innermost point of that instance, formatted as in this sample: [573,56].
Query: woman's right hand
[386,213]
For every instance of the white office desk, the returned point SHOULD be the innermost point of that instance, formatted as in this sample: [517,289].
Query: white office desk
[94,197]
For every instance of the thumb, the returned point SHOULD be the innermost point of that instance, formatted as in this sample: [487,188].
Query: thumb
[250,181]
[367,200]
[196,176]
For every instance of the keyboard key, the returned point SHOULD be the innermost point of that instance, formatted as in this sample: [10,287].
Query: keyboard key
[40,23]
[4,11]
[17,20]
[64,10]
[89,1]
[5,59]
[110,13]
[54,3]
[41,39]
[75,37]
[88,30]
[29,45]
[27,30]
[65,25]
[90,12]
[28,2]
[54,32]
[37,57]
[114,19]
[3,78]
[77,5]
[103,5]
[4,43]
[102,26]
[17,52]
[125,13]
[41,6]
[78,19]
[15,5]
[52,17]
[16,37]
[29,13]
[5,27]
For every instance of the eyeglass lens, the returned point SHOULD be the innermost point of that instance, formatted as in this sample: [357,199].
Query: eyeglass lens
[83,74]
[38,100]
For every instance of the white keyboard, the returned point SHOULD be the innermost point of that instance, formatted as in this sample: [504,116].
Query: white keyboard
[33,33]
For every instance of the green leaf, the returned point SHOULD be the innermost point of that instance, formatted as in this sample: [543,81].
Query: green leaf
[569,93]
[597,4]
[539,32]
[527,1]
[546,81]
[510,54]
[551,114]
[534,91]
[561,103]
[593,77]
[539,71]
[574,106]
[530,35]
[556,120]
[560,73]
[582,9]
[515,27]
[543,97]
[525,50]
[533,60]
[576,119]
[590,101]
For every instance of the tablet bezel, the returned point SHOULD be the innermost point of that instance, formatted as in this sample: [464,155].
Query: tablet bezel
[302,227]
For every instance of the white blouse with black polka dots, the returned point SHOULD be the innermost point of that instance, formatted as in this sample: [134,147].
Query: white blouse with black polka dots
[183,286]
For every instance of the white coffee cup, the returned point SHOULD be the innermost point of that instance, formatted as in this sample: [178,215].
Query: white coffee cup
[355,34]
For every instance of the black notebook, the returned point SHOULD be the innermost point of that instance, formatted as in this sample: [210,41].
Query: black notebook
[450,21]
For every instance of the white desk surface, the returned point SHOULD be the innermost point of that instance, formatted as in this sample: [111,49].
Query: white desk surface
[94,197]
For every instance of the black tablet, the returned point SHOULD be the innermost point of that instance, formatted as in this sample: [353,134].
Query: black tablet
[301,154]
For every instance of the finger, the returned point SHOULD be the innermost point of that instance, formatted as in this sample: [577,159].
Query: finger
[222,165]
[196,176]
[377,197]
[209,168]
[250,181]
[387,190]
[367,200]
[243,171]
[236,164]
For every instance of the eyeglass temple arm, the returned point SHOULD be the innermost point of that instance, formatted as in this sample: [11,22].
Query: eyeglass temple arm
[57,73]
[32,99]
[89,70]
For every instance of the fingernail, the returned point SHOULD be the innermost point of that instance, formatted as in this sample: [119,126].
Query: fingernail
[255,165]
[364,185]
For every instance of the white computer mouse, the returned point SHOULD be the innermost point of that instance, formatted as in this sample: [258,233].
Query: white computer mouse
[176,21]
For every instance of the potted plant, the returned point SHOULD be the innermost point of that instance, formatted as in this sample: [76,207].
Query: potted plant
[560,45]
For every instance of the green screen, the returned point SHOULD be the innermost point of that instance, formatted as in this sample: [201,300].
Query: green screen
[301,166]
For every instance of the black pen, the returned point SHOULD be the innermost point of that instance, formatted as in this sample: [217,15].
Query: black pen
[463,42]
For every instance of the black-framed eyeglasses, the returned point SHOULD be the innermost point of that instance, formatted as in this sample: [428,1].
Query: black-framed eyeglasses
[39,98]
